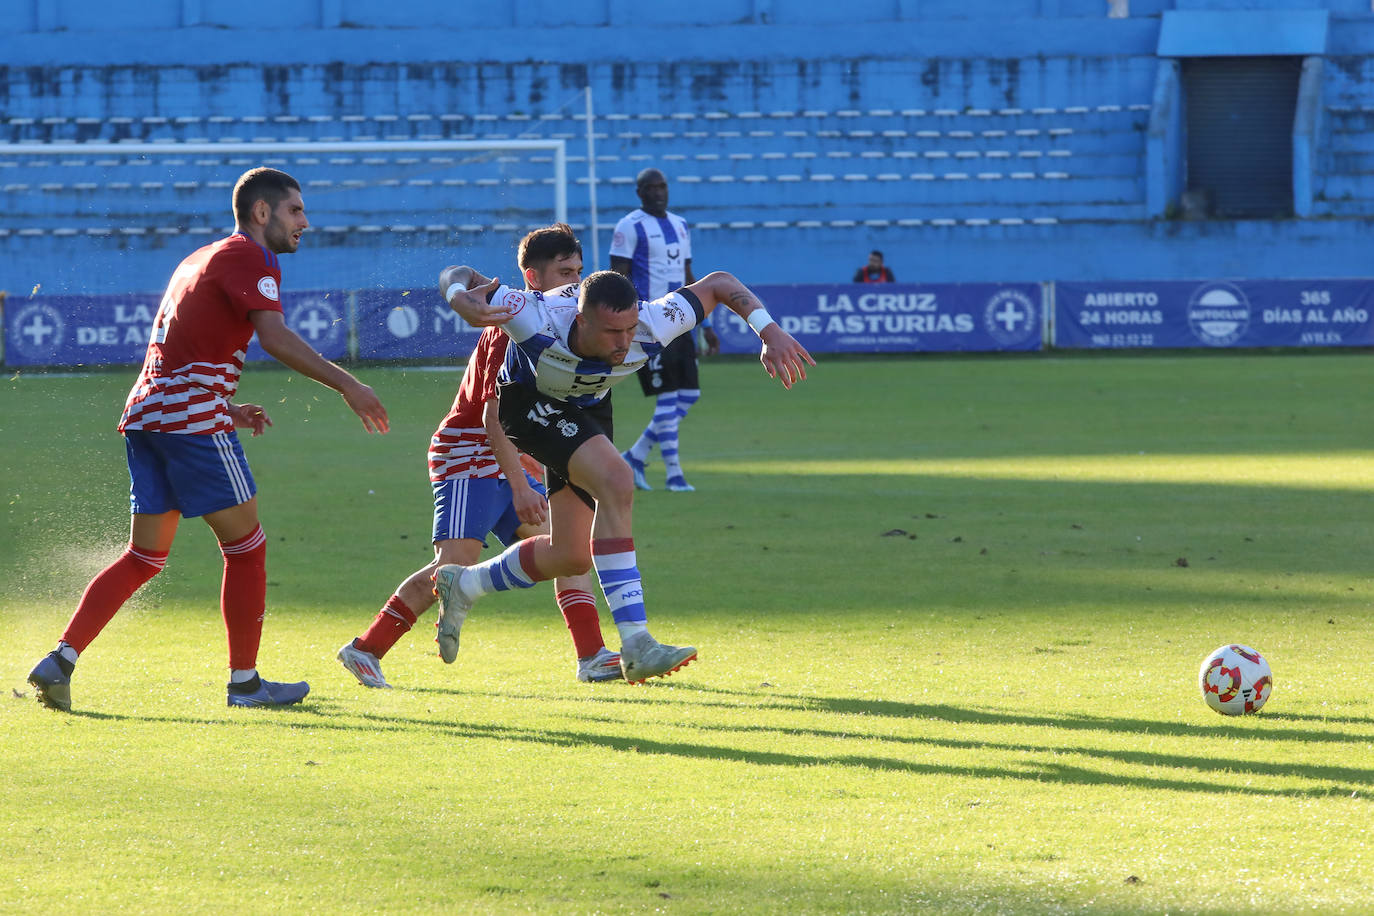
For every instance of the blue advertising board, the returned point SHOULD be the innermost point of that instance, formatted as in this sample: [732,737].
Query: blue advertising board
[1214,313]
[114,329]
[825,318]
[78,330]
[896,317]
[411,324]
[320,317]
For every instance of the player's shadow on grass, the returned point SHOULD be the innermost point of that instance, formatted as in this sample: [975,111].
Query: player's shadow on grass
[1249,727]
[294,710]
[1334,780]
[1225,763]
[1032,770]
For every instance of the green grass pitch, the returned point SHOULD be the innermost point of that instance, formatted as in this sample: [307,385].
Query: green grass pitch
[950,613]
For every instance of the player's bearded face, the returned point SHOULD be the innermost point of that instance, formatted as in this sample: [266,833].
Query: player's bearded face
[283,230]
[606,335]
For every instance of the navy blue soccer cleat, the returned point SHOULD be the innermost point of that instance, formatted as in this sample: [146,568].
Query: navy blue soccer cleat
[258,692]
[51,683]
[637,466]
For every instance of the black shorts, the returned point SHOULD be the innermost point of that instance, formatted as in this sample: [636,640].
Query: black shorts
[672,369]
[551,430]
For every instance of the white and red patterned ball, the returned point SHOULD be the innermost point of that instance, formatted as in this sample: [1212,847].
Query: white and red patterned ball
[1235,680]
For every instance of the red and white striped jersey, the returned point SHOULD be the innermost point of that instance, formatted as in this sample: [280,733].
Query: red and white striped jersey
[459,447]
[200,336]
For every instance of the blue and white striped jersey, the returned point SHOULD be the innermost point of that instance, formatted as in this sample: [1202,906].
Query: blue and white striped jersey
[541,358]
[658,248]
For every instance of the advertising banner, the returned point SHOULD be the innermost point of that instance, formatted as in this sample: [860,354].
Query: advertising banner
[392,324]
[78,330]
[1214,313]
[114,329]
[411,324]
[319,316]
[896,317]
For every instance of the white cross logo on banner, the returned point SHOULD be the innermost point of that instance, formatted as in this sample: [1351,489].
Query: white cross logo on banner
[38,329]
[314,324]
[1010,316]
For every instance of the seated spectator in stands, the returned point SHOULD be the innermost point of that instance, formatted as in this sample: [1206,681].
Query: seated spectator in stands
[874,271]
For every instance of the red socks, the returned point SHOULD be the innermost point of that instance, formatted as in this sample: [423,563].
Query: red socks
[108,591]
[392,622]
[579,612]
[243,596]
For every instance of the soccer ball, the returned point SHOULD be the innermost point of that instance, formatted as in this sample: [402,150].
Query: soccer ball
[1235,680]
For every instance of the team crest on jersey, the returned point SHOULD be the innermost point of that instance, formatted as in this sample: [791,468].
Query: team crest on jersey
[568,428]
[268,287]
[515,301]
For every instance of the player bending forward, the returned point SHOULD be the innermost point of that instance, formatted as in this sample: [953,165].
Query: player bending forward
[479,487]
[570,345]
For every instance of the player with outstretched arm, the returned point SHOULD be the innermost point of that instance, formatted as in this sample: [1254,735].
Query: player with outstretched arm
[480,487]
[568,347]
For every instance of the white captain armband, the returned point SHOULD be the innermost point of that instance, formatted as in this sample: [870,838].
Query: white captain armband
[759,319]
[453,289]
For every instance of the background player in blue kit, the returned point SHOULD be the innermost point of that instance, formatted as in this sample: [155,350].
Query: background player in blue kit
[653,247]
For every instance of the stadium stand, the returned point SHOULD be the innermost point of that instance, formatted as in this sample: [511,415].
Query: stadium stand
[941,163]
[809,136]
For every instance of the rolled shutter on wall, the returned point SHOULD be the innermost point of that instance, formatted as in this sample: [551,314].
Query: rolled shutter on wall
[1239,113]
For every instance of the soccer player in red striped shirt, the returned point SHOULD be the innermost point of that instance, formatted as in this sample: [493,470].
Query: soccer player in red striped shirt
[480,487]
[179,429]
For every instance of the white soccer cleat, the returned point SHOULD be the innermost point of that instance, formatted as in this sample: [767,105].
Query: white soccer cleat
[454,605]
[603,666]
[643,657]
[363,665]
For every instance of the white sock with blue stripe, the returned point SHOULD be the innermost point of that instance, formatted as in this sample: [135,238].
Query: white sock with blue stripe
[618,571]
[668,433]
[686,397]
[662,427]
[513,568]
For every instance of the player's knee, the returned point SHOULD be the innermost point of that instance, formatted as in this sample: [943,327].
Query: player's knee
[579,565]
[145,564]
[250,549]
[617,481]
[566,562]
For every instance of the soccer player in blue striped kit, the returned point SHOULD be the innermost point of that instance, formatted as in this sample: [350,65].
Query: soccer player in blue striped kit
[568,347]
[653,247]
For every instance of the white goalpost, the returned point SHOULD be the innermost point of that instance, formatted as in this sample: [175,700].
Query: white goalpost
[14,169]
